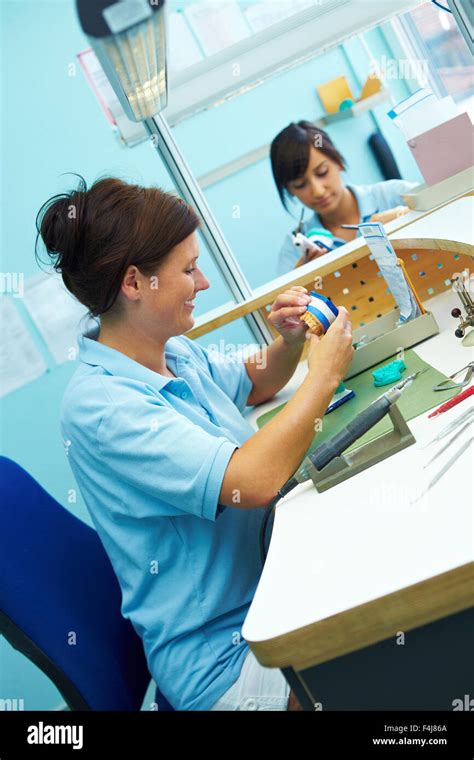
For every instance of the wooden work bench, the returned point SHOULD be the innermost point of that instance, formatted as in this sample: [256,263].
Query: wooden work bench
[366,598]
[365,601]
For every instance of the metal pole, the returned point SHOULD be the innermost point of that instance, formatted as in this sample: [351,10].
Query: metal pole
[188,188]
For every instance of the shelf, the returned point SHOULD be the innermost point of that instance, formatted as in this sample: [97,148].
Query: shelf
[360,106]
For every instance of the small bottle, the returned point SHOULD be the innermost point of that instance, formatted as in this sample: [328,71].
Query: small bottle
[320,313]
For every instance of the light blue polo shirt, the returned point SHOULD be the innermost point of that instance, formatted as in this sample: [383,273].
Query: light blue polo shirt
[149,454]
[371,199]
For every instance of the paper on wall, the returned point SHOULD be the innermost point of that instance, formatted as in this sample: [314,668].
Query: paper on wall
[262,15]
[56,314]
[183,48]
[129,132]
[217,24]
[20,360]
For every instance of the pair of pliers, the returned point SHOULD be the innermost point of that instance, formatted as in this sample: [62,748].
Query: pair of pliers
[442,386]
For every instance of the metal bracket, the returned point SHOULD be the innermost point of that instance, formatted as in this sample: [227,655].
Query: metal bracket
[348,465]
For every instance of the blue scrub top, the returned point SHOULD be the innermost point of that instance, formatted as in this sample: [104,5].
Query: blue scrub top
[149,454]
[371,199]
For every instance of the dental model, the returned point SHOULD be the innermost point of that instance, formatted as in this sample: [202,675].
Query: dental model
[320,313]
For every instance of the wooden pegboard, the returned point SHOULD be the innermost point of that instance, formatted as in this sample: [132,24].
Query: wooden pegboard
[361,288]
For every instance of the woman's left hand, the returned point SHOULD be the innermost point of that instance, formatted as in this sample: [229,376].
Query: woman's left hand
[285,313]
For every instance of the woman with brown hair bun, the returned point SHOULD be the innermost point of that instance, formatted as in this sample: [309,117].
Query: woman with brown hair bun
[171,472]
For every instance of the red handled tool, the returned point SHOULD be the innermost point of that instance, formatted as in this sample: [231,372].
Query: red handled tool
[453,401]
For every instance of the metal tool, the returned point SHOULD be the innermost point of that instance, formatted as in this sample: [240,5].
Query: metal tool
[364,421]
[445,468]
[449,428]
[443,385]
[300,225]
[327,467]
[467,302]
[402,384]
[448,444]
[298,237]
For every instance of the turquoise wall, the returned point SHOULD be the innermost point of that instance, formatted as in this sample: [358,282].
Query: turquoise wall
[52,125]
[254,118]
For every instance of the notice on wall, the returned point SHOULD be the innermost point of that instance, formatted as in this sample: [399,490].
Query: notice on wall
[20,360]
[57,315]
[129,132]
[217,25]
[184,50]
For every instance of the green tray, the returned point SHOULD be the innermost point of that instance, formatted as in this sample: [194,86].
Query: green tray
[419,397]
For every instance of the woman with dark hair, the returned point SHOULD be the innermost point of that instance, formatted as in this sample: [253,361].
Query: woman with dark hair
[171,472]
[306,165]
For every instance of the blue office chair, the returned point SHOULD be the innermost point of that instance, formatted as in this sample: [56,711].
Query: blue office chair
[60,601]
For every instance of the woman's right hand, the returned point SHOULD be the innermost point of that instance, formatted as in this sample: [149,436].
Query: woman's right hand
[285,439]
[314,252]
[331,355]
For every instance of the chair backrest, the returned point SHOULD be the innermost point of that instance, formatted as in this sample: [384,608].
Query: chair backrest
[60,600]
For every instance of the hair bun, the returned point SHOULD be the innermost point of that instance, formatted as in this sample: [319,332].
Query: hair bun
[59,223]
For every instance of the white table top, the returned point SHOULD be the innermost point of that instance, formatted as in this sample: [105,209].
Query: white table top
[452,222]
[364,539]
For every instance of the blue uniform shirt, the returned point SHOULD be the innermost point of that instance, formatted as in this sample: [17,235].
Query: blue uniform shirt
[371,199]
[149,454]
